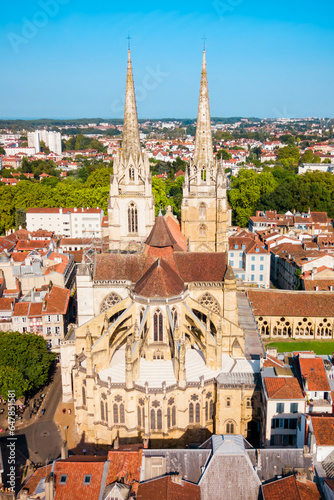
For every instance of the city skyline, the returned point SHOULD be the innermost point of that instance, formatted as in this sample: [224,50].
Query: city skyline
[64,59]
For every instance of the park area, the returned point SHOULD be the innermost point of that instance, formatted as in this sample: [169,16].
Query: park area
[320,347]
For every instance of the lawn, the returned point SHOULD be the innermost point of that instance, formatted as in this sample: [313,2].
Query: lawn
[318,346]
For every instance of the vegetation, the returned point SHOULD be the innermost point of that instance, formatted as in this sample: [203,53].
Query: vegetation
[320,347]
[279,188]
[25,362]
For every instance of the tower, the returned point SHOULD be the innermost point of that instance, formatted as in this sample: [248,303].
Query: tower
[204,206]
[131,210]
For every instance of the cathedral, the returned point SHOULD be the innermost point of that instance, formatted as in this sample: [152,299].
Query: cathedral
[160,350]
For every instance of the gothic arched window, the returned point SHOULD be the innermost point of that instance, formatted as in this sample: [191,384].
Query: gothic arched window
[132,218]
[115,411]
[158,325]
[229,427]
[131,174]
[83,396]
[202,211]
[198,413]
[102,410]
[153,419]
[203,174]
[202,230]
[159,420]
[191,413]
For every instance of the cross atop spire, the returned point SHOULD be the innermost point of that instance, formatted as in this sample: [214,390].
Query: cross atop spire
[131,139]
[129,38]
[203,156]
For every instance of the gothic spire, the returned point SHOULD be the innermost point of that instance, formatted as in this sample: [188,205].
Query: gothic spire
[131,140]
[203,155]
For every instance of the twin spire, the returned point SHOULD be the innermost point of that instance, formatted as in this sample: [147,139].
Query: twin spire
[203,155]
[131,139]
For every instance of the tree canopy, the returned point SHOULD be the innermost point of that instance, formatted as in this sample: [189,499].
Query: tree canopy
[25,362]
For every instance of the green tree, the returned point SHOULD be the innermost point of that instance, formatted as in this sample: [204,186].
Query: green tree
[307,156]
[29,356]
[2,151]
[224,155]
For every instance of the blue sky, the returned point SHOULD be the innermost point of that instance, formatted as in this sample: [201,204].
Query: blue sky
[67,58]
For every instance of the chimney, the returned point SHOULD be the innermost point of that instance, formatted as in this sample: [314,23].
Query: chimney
[177,479]
[258,459]
[49,487]
[64,450]
[305,384]
[22,496]
[301,477]
[146,443]
[116,442]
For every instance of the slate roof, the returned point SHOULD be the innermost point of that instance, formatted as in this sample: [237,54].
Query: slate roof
[186,462]
[281,303]
[290,488]
[283,388]
[165,488]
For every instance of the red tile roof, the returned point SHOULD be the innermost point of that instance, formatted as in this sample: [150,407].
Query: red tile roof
[313,370]
[174,228]
[323,427]
[75,489]
[201,266]
[289,488]
[159,281]
[57,300]
[160,235]
[282,303]
[21,309]
[65,210]
[125,465]
[272,362]
[6,304]
[283,388]
[33,481]
[165,488]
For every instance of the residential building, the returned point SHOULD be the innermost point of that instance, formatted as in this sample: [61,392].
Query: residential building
[66,222]
[315,384]
[249,259]
[283,403]
[45,312]
[316,431]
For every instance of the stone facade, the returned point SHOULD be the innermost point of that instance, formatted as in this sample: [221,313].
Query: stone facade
[205,215]
[131,210]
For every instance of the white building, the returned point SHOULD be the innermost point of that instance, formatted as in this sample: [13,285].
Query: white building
[34,141]
[283,403]
[51,139]
[67,222]
[249,259]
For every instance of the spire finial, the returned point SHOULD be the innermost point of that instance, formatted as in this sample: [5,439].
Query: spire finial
[204,42]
